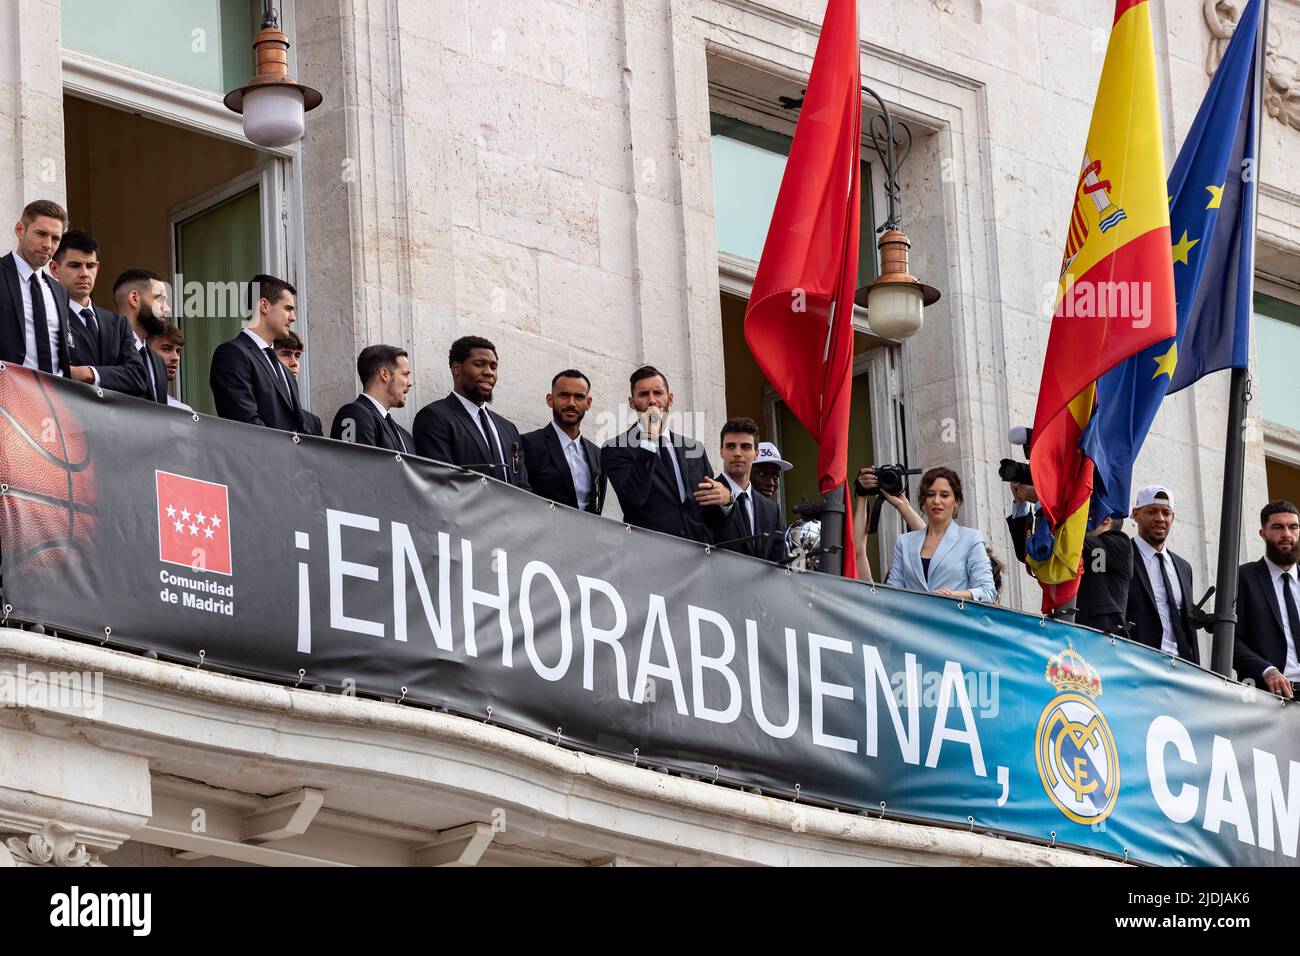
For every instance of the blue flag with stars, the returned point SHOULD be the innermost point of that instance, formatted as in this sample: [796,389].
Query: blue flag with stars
[1211,220]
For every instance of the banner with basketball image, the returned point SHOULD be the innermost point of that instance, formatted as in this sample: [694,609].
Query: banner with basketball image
[265,554]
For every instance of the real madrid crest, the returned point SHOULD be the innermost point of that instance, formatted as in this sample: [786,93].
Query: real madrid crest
[1078,761]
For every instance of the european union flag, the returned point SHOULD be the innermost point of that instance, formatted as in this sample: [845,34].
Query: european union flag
[1211,220]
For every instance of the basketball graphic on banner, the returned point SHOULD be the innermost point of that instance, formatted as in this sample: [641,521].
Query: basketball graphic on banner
[49,494]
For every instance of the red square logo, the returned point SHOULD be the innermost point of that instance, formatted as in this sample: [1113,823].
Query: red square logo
[193,523]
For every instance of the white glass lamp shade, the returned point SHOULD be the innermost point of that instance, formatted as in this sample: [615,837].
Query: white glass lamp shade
[894,311]
[273,115]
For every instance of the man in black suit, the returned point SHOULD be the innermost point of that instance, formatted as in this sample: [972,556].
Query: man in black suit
[460,429]
[754,513]
[249,384]
[168,345]
[385,373]
[1268,595]
[663,480]
[1108,559]
[288,350]
[1160,594]
[562,465]
[33,307]
[101,349]
[141,298]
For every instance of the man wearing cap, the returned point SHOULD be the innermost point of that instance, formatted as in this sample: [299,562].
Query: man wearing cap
[767,470]
[1160,594]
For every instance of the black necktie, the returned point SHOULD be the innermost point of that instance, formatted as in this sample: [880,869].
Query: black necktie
[281,373]
[394,433]
[742,502]
[1292,615]
[666,457]
[1175,616]
[88,317]
[494,449]
[44,358]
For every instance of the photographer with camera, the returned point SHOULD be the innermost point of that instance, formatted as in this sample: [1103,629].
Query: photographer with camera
[886,481]
[943,558]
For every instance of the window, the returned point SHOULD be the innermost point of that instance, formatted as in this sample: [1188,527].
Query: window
[1277,331]
[206,44]
[748,162]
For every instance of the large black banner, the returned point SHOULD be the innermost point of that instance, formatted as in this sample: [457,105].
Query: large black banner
[271,553]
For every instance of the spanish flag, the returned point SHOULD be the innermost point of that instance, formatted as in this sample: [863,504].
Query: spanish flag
[1115,294]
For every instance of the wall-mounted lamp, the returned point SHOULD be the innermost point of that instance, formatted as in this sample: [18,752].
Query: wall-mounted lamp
[273,104]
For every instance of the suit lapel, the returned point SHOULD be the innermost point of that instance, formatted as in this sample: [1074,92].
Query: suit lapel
[84,345]
[1265,579]
[9,269]
[593,464]
[1140,569]
[59,296]
[559,460]
[260,361]
[946,545]
[458,410]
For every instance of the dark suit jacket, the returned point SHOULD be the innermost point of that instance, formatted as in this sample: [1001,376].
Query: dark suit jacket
[444,431]
[13,331]
[549,474]
[367,427]
[159,391]
[246,389]
[311,424]
[1103,589]
[648,496]
[111,353]
[767,517]
[1142,607]
[1260,641]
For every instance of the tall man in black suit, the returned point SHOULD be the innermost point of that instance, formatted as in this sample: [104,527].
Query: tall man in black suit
[102,349]
[460,429]
[141,298]
[249,383]
[562,465]
[33,307]
[1268,598]
[385,373]
[754,513]
[663,480]
[1160,593]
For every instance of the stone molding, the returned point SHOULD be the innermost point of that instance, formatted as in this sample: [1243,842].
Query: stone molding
[54,844]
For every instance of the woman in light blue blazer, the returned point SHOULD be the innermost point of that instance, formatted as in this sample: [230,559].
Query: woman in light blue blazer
[944,558]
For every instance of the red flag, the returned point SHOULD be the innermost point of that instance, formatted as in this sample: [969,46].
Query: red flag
[799,323]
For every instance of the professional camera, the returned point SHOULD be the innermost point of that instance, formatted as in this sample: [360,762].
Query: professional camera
[1018,471]
[892,478]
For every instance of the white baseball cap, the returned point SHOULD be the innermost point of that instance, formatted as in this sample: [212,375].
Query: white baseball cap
[1155,495]
[768,454]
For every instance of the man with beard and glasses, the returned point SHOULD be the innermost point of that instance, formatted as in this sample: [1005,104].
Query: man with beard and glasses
[141,297]
[460,429]
[562,465]
[1160,593]
[1268,595]
[101,347]
[249,383]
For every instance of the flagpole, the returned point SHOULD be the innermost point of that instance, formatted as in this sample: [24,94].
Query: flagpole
[1234,459]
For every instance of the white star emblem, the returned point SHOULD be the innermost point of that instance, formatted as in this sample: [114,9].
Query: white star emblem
[207,532]
[194,529]
[178,526]
[185,515]
[216,522]
[202,517]
[171,512]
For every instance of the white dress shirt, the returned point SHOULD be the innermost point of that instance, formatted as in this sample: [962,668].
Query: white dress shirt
[473,414]
[1280,576]
[1152,558]
[386,417]
[576,456]
[25,273]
